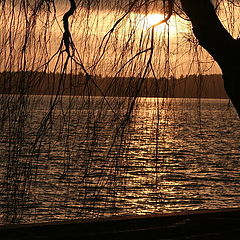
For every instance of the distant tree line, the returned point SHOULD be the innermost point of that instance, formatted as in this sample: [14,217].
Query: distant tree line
[39,83]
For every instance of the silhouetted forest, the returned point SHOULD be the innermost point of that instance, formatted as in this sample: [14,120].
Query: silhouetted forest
[192,86]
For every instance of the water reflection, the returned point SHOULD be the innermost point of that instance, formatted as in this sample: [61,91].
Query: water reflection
[83,165]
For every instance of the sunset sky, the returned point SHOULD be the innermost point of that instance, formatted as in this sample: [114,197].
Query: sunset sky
[102,51]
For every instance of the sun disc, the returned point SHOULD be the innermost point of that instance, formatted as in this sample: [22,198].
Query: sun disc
[151,20]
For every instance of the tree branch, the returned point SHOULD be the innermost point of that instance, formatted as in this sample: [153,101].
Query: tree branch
[67,34]
[207,28]
[212,36]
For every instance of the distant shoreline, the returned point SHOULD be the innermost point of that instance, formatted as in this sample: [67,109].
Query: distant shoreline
[155,97]
[39,83]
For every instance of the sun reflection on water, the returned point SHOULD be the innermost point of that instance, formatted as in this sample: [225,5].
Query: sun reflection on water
[165,165]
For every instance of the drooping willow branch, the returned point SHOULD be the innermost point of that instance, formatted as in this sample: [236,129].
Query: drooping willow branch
[107,36]
[67,40]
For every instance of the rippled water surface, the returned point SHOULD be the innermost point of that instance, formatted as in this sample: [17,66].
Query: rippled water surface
[87,158]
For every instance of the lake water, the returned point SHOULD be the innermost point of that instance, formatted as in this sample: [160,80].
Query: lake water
[88,157]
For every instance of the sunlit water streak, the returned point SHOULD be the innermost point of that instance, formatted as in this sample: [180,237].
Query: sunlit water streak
[174,155]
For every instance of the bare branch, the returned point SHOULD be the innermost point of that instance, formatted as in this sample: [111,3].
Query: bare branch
[67,35]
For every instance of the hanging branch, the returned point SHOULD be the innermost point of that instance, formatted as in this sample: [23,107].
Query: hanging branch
[67,40]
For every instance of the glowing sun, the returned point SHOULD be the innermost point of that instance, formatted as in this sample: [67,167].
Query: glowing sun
[151,19]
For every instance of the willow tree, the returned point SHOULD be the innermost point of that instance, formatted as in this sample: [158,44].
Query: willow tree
[51,42]
[209,31]
[212,36]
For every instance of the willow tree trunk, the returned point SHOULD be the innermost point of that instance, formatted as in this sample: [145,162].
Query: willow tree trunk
[212,36]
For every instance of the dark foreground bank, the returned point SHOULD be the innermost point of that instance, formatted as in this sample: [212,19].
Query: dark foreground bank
[209,224]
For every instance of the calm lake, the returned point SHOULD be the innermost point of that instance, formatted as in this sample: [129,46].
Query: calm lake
[87,157]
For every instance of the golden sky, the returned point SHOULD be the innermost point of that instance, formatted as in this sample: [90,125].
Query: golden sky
[102,49]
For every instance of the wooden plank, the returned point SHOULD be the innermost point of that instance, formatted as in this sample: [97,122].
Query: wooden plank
[205,224]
